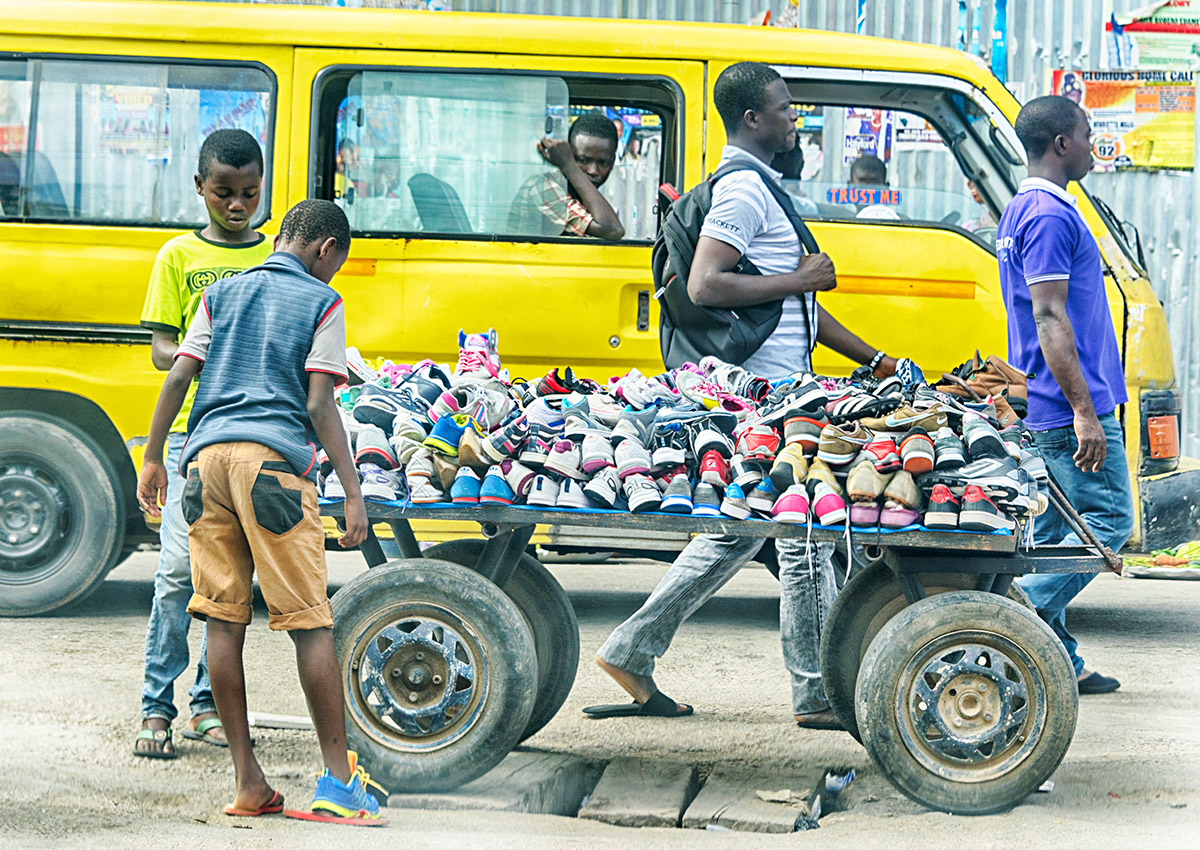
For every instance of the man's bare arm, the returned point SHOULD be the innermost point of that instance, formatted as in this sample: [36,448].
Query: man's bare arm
[605,224]
[152,482]
[163,345]
[1057,339]
[713,283]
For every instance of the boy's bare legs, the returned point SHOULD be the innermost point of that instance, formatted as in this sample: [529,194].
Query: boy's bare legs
[316,662]
[225,641]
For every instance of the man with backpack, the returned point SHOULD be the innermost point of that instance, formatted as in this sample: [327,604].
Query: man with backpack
[768,322]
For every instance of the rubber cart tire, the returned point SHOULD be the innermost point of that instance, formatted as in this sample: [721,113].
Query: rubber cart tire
[967,702]
[870,599]
[438,669]
[551,619]
[63,524]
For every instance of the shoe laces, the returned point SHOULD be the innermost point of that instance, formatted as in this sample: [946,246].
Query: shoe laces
[474,360]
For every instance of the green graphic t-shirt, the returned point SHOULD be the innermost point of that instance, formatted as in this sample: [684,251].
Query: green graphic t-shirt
[183,268]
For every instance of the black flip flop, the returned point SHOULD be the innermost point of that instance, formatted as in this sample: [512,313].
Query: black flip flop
[828,725]
[659,705]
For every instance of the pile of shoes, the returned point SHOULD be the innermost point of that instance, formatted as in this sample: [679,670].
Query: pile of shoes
[707,439]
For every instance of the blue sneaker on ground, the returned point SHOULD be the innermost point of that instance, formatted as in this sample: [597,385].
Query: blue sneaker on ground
[352,804]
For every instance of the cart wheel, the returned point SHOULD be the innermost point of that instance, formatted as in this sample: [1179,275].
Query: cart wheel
[551,619]
[437,665]
[967,702]
[869,600]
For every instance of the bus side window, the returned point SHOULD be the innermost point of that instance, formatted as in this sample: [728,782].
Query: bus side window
[434,152]
[94,140]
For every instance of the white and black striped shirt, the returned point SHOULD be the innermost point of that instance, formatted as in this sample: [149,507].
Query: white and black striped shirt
[746,215]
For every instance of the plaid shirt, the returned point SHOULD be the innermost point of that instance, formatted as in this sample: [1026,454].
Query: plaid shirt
[546,194]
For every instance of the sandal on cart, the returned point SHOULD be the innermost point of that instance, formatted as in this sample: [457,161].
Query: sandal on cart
[659,705]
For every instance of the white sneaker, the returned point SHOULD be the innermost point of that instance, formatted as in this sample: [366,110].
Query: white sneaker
[544,492]
[379,484]
[359,367]
[564,460]
[420,465]
[632,459]
[571,495]
[643,494]
[334,489]
[408,424]
[373,447]
[405,449]
[602,489]
[519,476]
[597,454]
[421,491]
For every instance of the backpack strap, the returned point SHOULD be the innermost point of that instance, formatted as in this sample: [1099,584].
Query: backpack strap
[789,209]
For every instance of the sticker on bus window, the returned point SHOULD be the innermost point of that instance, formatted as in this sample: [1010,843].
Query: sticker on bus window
[863,195]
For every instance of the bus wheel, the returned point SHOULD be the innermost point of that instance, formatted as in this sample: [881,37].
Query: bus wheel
[61,523]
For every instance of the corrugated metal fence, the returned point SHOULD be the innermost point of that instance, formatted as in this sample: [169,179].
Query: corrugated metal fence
[1043,35]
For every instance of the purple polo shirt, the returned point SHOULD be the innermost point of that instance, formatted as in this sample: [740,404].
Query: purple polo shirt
[1042,238]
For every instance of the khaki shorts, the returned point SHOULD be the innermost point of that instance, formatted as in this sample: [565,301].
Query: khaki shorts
[248,512]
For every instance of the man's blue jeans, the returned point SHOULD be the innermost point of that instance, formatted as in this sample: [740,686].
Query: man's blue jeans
[167,632]
[1103,499]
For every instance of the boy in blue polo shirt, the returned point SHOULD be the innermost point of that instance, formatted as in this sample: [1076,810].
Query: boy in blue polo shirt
[272,342]
[1060,333]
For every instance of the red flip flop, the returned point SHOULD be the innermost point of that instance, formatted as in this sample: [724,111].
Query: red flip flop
[273,806]
[325,817]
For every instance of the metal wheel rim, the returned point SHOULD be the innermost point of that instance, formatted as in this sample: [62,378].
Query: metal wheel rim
[970,706]
[35,518]
[383,673]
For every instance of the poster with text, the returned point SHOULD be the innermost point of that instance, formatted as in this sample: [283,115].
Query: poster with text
[868,131]
[1140,119]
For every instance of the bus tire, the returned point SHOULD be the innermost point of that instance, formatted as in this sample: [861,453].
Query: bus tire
[61,521]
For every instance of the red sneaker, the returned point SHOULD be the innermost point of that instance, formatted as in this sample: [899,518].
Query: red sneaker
[882,452]
[714,469]
[758,443]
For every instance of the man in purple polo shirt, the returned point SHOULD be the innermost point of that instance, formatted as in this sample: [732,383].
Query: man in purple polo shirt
[1060,333]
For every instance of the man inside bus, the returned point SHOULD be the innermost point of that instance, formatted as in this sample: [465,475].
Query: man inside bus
[871,171]
[544,207]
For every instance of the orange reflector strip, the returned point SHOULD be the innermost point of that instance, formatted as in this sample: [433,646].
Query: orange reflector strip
[1164,436]
[360,267]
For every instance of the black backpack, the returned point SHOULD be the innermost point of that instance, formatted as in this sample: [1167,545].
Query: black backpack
[687,331]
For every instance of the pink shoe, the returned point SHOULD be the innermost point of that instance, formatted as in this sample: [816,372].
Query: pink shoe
[864,514]
[792,506]
[827,505]
[739,407]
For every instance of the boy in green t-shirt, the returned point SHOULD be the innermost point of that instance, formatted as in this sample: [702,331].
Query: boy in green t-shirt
[230,180]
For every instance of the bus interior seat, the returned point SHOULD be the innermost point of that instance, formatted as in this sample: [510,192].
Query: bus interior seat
[438,205]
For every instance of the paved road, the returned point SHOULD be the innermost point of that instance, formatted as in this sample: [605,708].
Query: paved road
[69,689]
